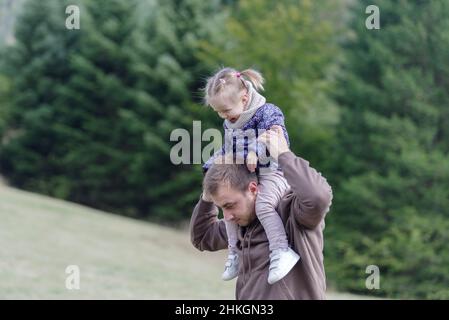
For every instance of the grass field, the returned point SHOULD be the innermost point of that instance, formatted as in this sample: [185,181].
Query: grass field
[118,258]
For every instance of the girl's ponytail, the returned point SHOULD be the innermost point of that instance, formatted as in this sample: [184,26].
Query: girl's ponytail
[255,77]
[232,82]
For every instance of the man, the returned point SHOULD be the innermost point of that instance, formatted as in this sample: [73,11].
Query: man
[302,209]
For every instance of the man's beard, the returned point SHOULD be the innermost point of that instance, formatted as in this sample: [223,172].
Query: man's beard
[249,208]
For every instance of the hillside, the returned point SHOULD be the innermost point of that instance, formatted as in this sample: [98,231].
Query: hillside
[118,257]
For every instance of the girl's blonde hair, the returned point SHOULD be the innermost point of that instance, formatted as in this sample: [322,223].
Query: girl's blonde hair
[228,83]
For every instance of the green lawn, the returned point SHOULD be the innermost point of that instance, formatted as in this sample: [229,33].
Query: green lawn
[118,258]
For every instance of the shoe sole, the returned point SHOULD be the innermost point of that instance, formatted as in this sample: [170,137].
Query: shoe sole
[293,259]
[227,279]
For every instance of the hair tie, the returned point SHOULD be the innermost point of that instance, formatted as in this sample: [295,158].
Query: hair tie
[237,74]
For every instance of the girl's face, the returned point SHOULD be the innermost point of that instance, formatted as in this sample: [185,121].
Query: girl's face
[231,111]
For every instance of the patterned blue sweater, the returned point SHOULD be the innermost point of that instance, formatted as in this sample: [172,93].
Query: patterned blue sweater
[263,119]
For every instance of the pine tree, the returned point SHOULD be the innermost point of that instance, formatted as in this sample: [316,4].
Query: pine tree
[170,70]
[97,105]
[391,195]
[37,68]
[101,125]
[4,105]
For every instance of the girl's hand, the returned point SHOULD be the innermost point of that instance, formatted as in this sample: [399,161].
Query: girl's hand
[275,141]
[251,161]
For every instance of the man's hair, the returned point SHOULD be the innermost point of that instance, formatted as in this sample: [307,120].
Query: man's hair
[227,83]
[225,172]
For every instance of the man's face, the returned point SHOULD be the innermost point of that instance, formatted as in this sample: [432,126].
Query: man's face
[237,206]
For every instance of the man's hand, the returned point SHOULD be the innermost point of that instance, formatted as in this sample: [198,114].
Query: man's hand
[206,197]
[275,141]
[251,161]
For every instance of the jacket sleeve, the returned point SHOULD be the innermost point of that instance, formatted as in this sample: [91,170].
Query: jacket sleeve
[207,232]
[273,117]
[312,194]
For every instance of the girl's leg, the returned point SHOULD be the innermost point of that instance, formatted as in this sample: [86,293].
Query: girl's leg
[231,231]
[232,261]
[272,186]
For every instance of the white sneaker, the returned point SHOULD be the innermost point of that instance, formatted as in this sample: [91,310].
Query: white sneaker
[281,262]
[231,267]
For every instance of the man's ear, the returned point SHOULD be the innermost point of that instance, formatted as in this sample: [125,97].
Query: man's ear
[252,187]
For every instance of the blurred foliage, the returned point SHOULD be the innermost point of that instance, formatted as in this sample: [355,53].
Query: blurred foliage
[391,174]
[94,108]
[4,104]
[8,12]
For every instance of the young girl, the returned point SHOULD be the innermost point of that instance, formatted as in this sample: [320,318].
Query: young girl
[234,96]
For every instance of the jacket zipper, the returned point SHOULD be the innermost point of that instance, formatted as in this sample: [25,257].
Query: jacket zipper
[247,233]
[243,257]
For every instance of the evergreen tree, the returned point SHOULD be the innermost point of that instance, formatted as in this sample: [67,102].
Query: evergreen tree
[168,69]
[4,105]
[391,173]
[97,105]
[37,68]
[101,127]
